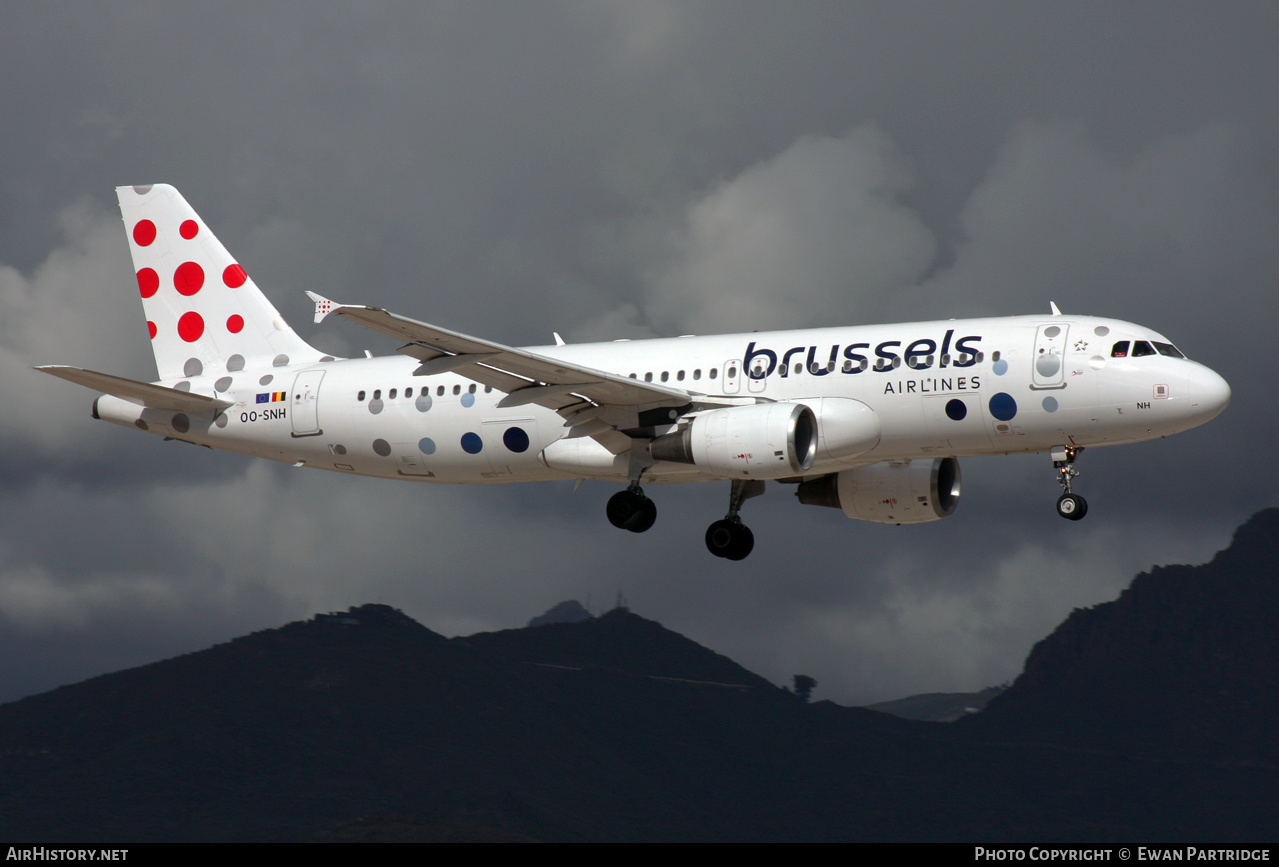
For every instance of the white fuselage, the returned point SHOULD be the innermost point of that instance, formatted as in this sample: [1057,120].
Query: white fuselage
[945,388]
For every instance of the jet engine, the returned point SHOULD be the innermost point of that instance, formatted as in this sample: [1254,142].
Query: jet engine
[763,441]
[894,492]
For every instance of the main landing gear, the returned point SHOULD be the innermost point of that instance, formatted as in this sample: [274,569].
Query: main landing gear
[1070,506]
[631,510]
[730,538]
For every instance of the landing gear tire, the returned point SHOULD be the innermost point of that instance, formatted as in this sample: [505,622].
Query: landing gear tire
[1072,506]
[631,510]
[731,540]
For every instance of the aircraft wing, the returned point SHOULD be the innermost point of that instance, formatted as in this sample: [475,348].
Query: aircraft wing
[141,393]
[599,401]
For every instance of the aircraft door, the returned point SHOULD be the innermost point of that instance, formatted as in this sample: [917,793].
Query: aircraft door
[1049,366]
[732,374]
[956,422]
[305,402]
[510,442]
[756,377]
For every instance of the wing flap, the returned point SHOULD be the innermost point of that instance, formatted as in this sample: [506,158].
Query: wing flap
[141,393]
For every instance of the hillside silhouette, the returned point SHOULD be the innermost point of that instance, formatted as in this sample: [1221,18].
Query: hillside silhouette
[1141,720]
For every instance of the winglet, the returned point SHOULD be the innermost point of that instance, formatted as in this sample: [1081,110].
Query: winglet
[1051,304]
[323,306]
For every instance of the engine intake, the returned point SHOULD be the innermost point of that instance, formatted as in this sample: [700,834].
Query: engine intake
[763,441]
[896,492]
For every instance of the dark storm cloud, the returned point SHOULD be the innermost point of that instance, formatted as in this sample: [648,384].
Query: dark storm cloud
[624,170]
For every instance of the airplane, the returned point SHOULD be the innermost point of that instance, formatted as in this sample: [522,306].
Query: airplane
[867,419]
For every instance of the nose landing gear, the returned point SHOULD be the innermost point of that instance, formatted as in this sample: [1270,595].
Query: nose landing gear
[730,538]
[1069,506]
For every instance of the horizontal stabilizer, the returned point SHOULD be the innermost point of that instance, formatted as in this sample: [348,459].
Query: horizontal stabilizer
[141,393]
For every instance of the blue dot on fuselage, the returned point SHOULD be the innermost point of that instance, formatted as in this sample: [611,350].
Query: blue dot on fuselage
[468,399]
[956,410]
[471,443]
[1003,407]
[1050,404]
[1000,367]
[426,446]
[515,439]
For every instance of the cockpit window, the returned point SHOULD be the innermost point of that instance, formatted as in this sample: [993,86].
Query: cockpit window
[1120,350]
[1141,348]
[1168,349]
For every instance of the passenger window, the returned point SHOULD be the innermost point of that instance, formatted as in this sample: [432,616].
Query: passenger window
[680,376]
[1120,350]
[648,377]
[377,394]
[714,372]
[994,356]
[732,372]
[487,389]
[457,389]
[391,395]
[439,392]
[1141,348]
[665,376]
[408,392]
[634,376]
[697,374]
[360,397]
[472,388]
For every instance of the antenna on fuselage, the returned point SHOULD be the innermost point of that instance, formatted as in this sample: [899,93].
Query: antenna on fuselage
[1053,305]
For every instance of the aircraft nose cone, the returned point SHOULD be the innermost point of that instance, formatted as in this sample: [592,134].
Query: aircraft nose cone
[1207,392]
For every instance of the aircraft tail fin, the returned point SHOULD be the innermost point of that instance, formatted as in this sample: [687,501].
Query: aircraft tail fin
[204,313]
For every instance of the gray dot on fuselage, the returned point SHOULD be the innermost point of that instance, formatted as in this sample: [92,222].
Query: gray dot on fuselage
[266,380]
[182,386]
[326,358]
[222,384]
[142,189]
[423,402]
[375,406]
[280,360]
[221,420]
[339,449]
[193,367]
[382,447]
[180,423]
[234,363]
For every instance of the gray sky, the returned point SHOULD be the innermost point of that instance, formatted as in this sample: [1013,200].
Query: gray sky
[611,170]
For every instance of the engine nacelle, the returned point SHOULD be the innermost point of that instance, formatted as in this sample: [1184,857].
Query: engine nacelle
[762,441]
[895,492]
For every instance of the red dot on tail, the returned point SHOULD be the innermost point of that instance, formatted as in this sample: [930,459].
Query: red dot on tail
[188,278]
[234,276]
[235,323]
[148,282]
[190,326]
[144,233]
[188,229]
[151,328]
